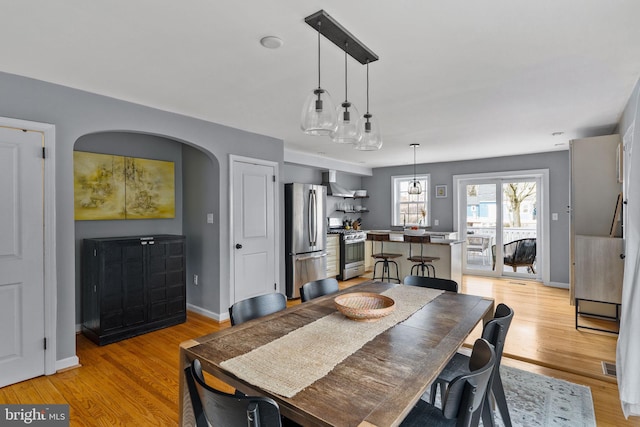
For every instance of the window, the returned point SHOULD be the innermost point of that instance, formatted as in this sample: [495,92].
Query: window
[410,209]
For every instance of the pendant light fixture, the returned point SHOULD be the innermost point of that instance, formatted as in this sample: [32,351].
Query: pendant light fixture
[348,131]
[348,126]
[414,186]
[319,111]
[370,138]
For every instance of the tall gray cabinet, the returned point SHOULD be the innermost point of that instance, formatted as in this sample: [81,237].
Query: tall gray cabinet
[597,262]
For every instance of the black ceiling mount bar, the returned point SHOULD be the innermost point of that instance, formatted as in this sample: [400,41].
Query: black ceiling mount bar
[333,31]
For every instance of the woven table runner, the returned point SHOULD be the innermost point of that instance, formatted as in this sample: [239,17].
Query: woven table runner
[294,361]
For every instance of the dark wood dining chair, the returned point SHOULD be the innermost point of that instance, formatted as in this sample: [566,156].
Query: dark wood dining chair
[465,396]
[421,263]
[431,282]
[318,288]
[214,407]
[252,308]
[495,332]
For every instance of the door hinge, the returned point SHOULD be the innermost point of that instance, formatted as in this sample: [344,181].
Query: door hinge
[45,343]
[273,177]
[275,286]
[44,153]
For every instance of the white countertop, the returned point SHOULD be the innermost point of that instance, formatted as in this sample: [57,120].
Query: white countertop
[398,236]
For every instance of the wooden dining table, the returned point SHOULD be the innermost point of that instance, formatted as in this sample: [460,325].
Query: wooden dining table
[377,385]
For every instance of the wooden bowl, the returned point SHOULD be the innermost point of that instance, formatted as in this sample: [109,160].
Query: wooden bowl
[364,306]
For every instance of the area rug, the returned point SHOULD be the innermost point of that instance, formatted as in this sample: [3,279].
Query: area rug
[537,400]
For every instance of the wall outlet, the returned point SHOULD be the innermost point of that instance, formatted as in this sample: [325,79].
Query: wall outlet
[195,279]
[436,222]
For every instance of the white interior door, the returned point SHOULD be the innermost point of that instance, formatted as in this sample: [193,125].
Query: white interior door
[254,229]
[22,354]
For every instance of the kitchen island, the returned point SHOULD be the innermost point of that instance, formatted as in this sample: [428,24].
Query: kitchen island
[443,245]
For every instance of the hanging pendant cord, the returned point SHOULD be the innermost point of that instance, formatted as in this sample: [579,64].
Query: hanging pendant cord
[346,46]
[367,86]
[319,24]
[414,163]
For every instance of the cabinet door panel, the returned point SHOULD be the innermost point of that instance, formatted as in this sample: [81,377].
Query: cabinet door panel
[599,268]
[112,320]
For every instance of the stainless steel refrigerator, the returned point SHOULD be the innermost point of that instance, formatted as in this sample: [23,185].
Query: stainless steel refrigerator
[305,235]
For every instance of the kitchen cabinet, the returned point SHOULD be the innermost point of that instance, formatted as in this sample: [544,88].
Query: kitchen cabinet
[596,257]
[333,255]
[132,285]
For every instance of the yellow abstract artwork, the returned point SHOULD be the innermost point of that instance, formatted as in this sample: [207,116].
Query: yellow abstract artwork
[116,187]
[98,185]
[150,188]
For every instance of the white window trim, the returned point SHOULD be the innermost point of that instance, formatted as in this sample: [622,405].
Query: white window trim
[395,221]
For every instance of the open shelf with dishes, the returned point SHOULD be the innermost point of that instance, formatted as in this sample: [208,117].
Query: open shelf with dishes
[364,210]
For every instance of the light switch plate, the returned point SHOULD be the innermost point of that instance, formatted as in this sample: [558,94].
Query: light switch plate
[209,218]
[554,216]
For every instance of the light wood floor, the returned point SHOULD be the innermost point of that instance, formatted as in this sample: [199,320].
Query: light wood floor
[135,382]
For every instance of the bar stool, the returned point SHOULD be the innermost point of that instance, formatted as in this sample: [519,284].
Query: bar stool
[422,263]
[383,257]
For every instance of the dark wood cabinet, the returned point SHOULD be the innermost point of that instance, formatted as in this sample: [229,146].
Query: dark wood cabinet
[132,285]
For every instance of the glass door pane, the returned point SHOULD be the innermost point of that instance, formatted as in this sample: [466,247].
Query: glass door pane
[482,217]
[519,227]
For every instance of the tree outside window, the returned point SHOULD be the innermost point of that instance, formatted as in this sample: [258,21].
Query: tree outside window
[516,194]
[410,209]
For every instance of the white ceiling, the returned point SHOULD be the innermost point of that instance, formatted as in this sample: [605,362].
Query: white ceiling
[465,79]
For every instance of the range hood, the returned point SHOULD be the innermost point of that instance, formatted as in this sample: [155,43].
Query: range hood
[333,188]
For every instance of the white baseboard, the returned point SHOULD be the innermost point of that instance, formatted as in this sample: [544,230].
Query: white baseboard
[69,362]
[210,314]
[558,285]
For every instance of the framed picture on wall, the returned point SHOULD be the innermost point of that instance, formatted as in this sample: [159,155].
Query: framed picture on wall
[441,191]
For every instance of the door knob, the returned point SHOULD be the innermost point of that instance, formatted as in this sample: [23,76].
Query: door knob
[238,246]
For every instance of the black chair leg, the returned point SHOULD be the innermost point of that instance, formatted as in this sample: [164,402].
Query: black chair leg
[433,269]
[375,266]
[385,267]
[433,391]
[397,278]
[488,419]
[501,400]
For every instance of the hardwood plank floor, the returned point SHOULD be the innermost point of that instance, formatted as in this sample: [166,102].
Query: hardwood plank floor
[135,382]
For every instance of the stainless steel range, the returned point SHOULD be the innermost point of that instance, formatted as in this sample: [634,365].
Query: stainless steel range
[351,249]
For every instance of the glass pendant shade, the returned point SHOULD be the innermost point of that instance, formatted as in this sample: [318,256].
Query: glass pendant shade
[319,111]
[370,138]
[348,131]
[415,187]
[318,114]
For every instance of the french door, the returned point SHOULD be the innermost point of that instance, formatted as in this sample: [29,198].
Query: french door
[500,221]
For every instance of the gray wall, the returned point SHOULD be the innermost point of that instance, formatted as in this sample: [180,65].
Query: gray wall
[558,163]
[132,145]
[77,113]
[313,175]
[201,196]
